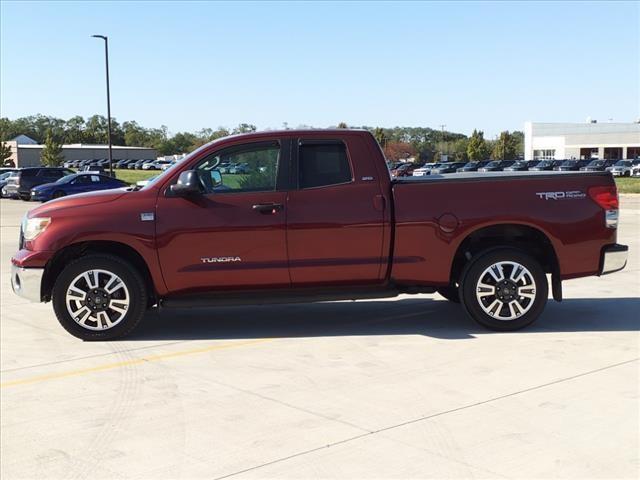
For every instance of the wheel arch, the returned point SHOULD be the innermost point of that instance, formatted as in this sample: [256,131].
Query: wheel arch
[57,263]
[528,238]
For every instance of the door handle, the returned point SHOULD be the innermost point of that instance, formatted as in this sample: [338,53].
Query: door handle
[268,208]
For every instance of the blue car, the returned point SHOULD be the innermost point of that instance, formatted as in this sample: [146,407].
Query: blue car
[75,183]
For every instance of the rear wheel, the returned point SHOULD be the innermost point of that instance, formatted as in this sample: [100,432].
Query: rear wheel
[99,297]
[504,289]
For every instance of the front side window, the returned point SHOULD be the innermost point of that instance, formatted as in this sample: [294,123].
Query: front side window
[323,164]
[255,170]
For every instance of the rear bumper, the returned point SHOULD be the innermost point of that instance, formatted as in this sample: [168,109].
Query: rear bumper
[613,259]
[27,282]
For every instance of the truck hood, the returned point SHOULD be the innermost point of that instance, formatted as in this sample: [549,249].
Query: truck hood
[79,200]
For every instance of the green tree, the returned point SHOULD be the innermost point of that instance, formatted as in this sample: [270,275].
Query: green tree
[477,149]
[506,147]
[380,136]
[343,125]
[52,152]
[245,128]
[5,153]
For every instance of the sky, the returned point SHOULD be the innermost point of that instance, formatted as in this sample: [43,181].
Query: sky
[190,65]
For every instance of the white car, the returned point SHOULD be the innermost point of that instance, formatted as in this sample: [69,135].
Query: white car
[635,170]
[623,168]
[156,165]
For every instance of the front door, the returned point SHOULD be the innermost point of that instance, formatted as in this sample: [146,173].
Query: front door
[233,235]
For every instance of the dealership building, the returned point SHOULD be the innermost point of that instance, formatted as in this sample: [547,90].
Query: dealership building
[25,152]
[589,140]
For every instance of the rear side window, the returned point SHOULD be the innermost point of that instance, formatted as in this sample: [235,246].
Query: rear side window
[323,164]
[28,173]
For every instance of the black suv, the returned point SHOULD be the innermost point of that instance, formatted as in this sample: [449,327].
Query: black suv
[20,183]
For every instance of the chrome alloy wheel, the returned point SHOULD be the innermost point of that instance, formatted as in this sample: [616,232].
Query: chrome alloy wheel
[97,299]
[506,290]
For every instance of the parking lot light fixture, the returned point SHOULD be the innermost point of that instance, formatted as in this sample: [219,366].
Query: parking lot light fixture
[106,59]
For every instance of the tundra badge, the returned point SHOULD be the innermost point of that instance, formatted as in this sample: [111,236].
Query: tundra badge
[220,259]
[147,216]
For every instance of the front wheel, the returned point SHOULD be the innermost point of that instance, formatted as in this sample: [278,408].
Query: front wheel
[504,289]
[58,194]
[99,297]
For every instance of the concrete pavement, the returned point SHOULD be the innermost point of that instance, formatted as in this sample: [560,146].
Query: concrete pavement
[402,388]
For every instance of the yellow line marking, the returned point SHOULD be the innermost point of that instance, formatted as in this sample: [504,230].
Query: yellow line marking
[126,363]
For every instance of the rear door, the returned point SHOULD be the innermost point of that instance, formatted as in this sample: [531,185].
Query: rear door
[335,216]
[234,235]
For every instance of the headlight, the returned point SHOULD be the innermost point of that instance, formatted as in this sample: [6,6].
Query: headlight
[32,227]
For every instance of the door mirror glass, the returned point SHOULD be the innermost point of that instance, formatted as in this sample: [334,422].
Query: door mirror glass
[188,184]
[216,177]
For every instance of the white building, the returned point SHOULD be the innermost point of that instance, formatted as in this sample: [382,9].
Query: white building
[581,140]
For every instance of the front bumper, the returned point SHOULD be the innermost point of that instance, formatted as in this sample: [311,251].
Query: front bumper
[613,259]
[27,282]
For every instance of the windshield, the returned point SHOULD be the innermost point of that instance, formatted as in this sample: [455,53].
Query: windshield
[67,178]
[495,163]
[596,163]
[623,163]
[5,175]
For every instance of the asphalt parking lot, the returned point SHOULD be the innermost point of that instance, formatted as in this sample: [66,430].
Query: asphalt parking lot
[403,388]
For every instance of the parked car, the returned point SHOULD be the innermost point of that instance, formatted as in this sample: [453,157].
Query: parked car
[635,170]
[425,169]
[521,166]
[571,165]
[75,183]
[155,165]
[545,165]
[123,163]
[496,166]
[240,168]
[448,167]
[622,168]
[4,178]
[598,165]
[473,166]
[103,258]
[20,183]
[139,165]
[224,167]
[404,170]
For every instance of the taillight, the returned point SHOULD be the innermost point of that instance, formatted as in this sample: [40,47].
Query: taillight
[607,198]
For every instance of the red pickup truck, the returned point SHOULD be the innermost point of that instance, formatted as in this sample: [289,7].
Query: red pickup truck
[316,218]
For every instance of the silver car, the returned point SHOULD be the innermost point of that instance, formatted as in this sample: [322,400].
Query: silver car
[623,168]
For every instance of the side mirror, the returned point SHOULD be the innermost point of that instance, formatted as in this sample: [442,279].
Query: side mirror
[188,184]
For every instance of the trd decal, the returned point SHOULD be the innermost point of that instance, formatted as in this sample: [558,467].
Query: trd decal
[561,195]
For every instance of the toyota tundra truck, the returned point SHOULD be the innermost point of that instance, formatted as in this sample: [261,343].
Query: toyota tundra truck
[316,217]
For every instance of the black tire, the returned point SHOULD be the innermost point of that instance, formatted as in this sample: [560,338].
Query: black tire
[133,281]
[451,293]
[58,194]
[24,197]
[472,275]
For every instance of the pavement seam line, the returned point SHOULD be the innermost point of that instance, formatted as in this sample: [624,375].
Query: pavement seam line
[137,361]
[426,417]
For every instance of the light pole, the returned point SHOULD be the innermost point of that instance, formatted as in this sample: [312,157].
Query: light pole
[106,60]
[441,140]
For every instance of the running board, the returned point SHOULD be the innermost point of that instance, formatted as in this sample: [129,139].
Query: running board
[272,297]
